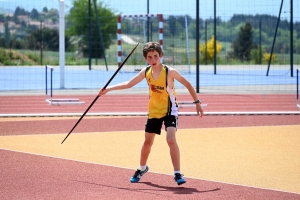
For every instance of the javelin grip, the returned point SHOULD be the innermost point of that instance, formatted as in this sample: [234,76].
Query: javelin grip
[102,89]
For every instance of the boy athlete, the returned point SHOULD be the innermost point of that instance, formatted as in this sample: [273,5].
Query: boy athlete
[162,106]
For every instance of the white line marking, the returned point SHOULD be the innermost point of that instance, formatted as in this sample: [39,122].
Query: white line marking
[145,114]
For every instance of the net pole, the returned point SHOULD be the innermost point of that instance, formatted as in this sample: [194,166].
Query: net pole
[292,40]
[197,45]
[46,81]
[161,33]
[297,86]
[51,72]
[100,34]
[187,42]
[62,43]
[119,32]
[274,39]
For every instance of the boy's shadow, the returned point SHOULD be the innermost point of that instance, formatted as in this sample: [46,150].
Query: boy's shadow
[175,190]
[179,190]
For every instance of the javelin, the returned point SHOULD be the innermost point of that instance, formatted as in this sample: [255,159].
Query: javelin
[102,89]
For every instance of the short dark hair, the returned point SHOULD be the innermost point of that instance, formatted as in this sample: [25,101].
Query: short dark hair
[152,46]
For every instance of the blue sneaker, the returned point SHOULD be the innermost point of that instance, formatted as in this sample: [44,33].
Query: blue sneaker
[179,179]
[138,174]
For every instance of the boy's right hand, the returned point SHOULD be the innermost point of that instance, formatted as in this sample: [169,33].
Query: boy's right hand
[102,92]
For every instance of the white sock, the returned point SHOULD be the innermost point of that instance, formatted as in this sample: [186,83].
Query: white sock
[175,172]
[142,168]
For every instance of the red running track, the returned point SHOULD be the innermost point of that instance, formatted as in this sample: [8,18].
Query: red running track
[27,176]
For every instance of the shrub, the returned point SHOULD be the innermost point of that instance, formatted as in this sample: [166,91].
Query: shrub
[207,50]
[267,56]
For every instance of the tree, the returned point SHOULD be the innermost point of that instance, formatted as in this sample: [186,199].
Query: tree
[49,38]
[78,26]
[34,14]
[53,15]
[15,43]
[20,11]
[207,50]
[6,34]
[2,18]
[172,25]
[45,9]
[243,45]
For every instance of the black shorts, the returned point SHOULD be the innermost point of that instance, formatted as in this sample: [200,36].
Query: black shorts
[154,125]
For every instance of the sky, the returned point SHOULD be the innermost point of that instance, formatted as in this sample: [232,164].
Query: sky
[225,8]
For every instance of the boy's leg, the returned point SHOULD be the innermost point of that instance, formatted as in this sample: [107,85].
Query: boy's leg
[153,127]
[174,149]
[146,148]
[175,155]
[171,127]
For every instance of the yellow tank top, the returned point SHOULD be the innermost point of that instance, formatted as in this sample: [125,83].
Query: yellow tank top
[162,99]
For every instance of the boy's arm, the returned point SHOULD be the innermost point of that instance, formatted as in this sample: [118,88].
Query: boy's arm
[124,85]
[176,75]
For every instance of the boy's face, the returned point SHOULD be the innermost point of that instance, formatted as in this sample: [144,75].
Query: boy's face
[153,58]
